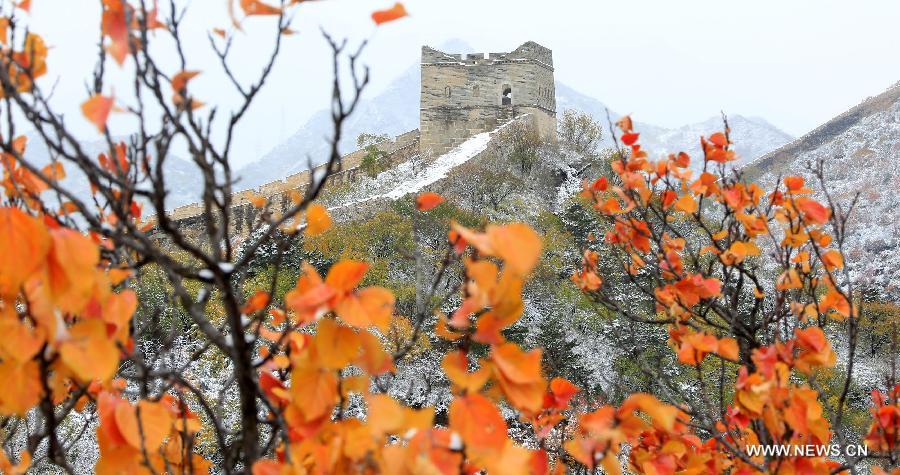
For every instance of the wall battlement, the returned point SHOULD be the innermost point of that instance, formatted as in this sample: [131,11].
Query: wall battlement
[466,94]
[529,51]
[399,149]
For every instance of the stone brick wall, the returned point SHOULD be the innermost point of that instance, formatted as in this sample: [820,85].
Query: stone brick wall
[463,95]
[190,218]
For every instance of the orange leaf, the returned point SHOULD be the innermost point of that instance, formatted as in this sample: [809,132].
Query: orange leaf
[517,244]
[19,343]
[119,308]
[72,269]
[345,275]
[428,200]
[793,183]
[367,307]
[833,259]
[117,276]
[155,424]
[336,344]
[373,359]
[314,391]
[256,302]
[4,30]
[718,139]
[815,350]
[317,220]
[686,204]
[256,7]
[180,80]
[89,353]
[257,201]
[728,349]
[478,422]
[456,367]
[519,375]
[24,244]
[814,212]
[664,416]
[394,13]
[562,392]
[54,171]
[97,109]
[267,467]
[23,389]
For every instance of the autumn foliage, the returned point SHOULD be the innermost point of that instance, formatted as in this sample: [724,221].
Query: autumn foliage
[750,283]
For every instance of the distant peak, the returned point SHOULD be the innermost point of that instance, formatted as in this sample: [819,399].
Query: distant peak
[455,45]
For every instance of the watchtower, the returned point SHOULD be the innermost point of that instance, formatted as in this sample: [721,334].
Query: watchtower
[466,94]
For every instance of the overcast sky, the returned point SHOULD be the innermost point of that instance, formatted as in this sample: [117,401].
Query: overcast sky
[796,63]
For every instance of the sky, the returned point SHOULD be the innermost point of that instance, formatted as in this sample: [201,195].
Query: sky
[795,63]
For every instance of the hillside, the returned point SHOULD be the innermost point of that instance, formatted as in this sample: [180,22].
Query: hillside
[861,153]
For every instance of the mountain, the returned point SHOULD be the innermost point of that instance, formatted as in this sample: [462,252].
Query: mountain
[860,150]
[396,110]
[752,136]
[183,182]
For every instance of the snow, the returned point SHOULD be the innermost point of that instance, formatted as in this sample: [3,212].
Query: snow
[443,164]
[411,177]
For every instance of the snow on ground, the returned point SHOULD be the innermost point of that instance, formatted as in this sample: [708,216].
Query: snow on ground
[415,175]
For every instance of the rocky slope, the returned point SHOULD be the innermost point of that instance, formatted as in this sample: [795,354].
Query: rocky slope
[861,153]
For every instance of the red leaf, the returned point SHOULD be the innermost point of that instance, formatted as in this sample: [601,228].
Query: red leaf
[718,139]
[428,200]
[630,138]
[394,13]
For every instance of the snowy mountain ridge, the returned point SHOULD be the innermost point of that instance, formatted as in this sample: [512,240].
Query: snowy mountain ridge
[860,150]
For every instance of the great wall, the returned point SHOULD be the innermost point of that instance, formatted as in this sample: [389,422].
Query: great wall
[462,96]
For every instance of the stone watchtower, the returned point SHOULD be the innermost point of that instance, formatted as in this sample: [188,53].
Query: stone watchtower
[463,95]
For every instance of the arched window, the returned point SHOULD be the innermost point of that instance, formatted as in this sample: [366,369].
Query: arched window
[447,91]
[506,96]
